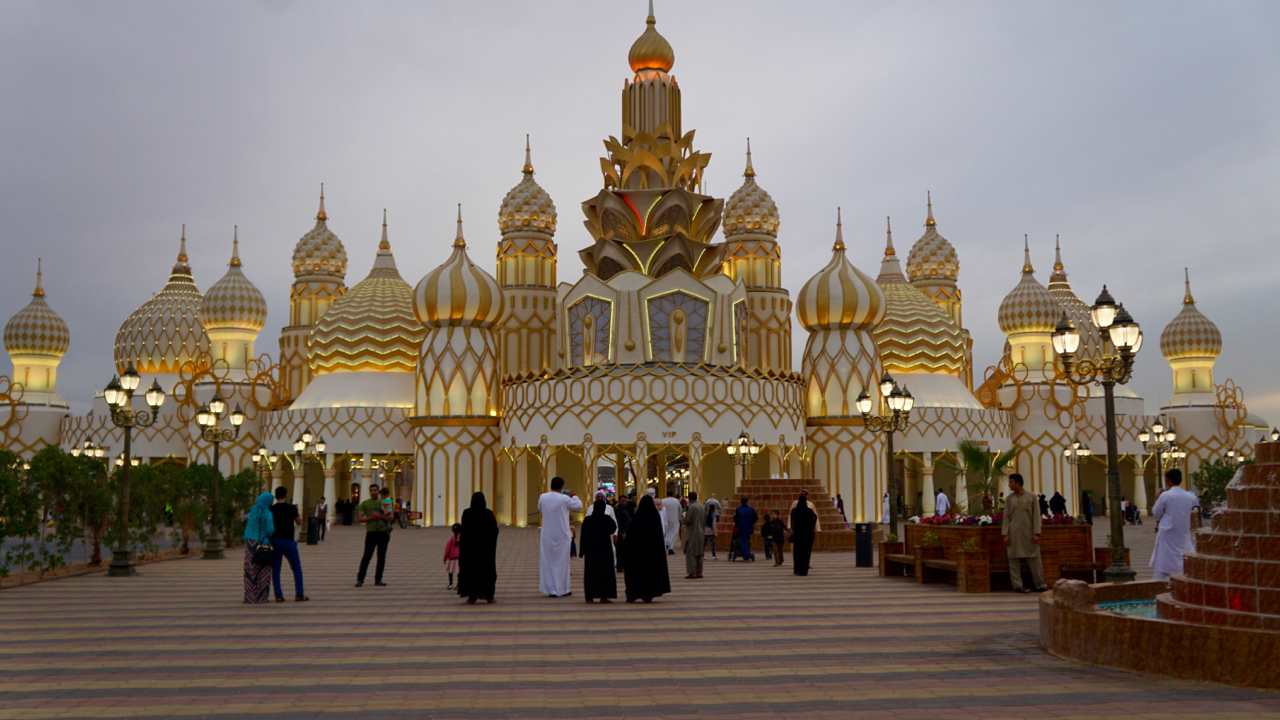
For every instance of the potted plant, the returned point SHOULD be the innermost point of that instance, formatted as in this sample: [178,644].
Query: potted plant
[985,470]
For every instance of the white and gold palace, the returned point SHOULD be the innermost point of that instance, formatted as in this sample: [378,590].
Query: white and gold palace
[675,340]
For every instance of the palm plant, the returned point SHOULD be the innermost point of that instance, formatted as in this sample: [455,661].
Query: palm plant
[983,470]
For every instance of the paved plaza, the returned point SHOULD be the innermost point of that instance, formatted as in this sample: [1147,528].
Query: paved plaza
[748,641]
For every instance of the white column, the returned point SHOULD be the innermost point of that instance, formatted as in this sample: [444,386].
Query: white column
[775,460]
[930,497]
[299,480]
[365,473]
[330,488]
[1140,483]
[520,503]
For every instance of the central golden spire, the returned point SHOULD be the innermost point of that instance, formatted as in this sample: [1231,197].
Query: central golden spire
[651,51]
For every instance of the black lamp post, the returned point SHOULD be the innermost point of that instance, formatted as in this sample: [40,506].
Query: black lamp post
[119,397]
[207,418]
[900,403]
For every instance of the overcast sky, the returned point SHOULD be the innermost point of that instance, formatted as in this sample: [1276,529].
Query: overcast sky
[1147,134]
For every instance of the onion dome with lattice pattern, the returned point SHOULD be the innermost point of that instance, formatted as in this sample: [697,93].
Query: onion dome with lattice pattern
[166,331]
[840,296]
[916,335]
[458,293]
[527,208]
[1028,308]
[651,51]
[750,210]
[1081,315]
[932,257]
[36,329]
[372,326]
[233,302]
[320,252]
[1190,334]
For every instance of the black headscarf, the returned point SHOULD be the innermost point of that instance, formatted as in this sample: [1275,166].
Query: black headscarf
[477,551]
[646,568]
[596,548]
[1058,504]
[803,518]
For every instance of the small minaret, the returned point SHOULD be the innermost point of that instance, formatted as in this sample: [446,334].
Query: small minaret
[36,338]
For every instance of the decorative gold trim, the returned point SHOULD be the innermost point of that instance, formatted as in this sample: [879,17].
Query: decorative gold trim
[431,421]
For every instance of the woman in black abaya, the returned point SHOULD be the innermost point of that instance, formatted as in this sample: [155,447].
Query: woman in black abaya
[645,571]
[598,576]
[804,528]
[477,552]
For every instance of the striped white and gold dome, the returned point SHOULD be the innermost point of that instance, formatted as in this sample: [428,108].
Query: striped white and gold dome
[527,208]
[916,334]
[233,302]
[1190,334]
[372,326]
[320,252]
[840,296]
[458,293]
[1028,308]
[165,332]
[36,329]
[932,257]
[750,210]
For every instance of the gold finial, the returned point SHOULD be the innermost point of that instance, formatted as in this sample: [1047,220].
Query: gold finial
[651,51]
[384,246]
[182,246]
[39,291]
[528,159]
[235,246]
[322,215]
[750,171]
[1026,256]
[1187,299]
[651,20]
[839,233]
[458,241]
[888,247]
[1057,255]
[929,220]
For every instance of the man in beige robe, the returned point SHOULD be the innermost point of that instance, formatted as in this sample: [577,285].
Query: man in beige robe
[1021,530]
[694,523]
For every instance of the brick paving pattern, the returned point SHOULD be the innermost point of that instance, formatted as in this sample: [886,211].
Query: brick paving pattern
[748,641]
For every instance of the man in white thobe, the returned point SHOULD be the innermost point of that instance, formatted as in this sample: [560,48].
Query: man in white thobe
[942,504]
[553,554]
[1173,510]
[671,509]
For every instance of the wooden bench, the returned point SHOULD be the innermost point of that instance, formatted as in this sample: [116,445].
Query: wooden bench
[897,565]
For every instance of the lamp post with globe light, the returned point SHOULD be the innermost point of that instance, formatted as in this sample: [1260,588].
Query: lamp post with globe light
[315,453]
[1076,454]
[900,403]
[1159,441]
[208,418]
[1121,340]
[264,461]
[119,397]
[743,451]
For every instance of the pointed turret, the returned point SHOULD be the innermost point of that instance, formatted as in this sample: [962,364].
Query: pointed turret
[459,241]
[840,296]
[750,210]
[1075,308]
[322,215]
[929,222]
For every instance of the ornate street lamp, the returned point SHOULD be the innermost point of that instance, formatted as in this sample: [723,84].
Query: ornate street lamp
[1121,340]
[743,451]
[264,461]
[900,403]
[1159,442]
[1275,434]
[208,418]
[316,453]
[119,397]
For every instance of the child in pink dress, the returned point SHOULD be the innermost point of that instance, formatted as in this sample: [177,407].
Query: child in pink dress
[451,551]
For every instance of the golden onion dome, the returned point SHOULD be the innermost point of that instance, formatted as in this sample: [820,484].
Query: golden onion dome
[165,332]
[916,335]
[840,296]
[458,293]
[932,257]
[233,302]
[1028,308]
[36,329]
[651,51]
[320,252]
[750,210]
[1190,334]
[527,208]
[372,326]
[1081,315]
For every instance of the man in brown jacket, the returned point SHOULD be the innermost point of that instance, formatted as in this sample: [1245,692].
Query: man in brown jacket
[1021,530]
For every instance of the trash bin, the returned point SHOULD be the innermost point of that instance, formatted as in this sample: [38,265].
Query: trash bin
[862,544]
[313,530]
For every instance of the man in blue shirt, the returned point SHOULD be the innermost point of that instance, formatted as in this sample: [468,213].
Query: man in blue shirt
[744,519]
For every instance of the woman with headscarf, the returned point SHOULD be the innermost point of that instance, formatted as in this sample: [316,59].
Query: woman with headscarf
[258,529]
[645,572]
[804,527]
[1058,504]
[598,578]
[478,552]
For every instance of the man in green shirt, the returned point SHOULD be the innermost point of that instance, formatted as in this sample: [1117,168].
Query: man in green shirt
[377,525]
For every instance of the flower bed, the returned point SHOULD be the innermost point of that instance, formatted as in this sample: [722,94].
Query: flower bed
[1073,543]
[984,520]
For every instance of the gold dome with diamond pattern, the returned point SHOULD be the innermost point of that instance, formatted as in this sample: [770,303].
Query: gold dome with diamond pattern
[166,331]
[916,335]
[233,302]
[36,329]
[372,326]
[320,252]
[750,210]
[932,257]
[840,296]
[1028,308]
[457,292]
[1190,334]
[527,208]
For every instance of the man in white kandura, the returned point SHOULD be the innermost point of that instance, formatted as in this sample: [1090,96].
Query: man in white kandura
[942,504]
[1173,510]
[553,554]
[671,510]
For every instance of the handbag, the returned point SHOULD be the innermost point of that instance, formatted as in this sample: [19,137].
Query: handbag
[264,553]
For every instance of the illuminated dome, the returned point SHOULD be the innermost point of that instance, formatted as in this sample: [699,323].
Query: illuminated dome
[166,331]
[1190,334]
[932,257]
[233,302]
[1028,308]
[750,210]
[372,326]
[840,296]
[458,293]
[36,329]
[1081,315]
[527,208]
[651,51]
[916,335]
[320,252]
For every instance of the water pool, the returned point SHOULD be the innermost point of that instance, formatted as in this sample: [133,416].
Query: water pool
[1137,608]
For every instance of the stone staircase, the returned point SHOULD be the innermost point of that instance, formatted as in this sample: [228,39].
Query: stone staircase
[768,494]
